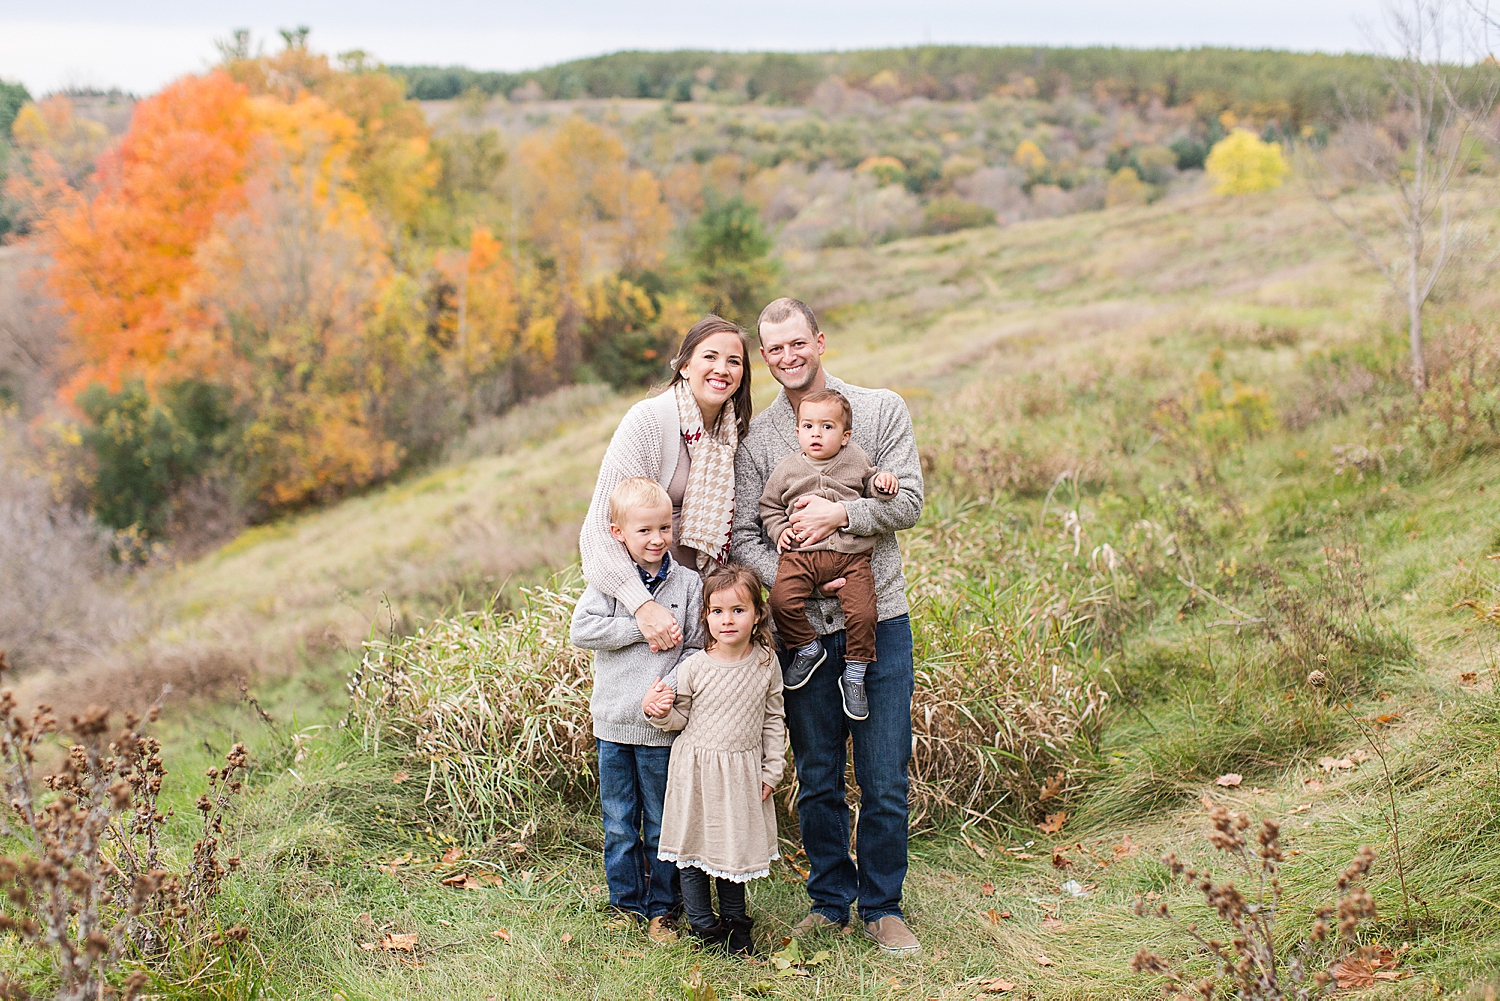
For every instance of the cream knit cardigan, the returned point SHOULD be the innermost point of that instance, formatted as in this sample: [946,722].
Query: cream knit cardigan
[646,443]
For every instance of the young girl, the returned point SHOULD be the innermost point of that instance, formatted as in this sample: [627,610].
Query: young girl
[719,819]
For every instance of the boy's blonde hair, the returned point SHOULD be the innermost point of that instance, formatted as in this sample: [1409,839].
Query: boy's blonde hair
[633,494]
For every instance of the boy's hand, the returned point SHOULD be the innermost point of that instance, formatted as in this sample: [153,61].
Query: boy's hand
[787,537]
[765,791]
[658,700]
[887,483]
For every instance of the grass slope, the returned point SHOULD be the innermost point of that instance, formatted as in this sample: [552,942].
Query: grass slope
[1024,352]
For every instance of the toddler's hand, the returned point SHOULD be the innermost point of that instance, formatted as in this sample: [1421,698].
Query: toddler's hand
[658,700]
[765,791]
[786,539]
[887,483]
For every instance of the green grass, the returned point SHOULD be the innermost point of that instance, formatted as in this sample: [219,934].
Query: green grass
[1047,351]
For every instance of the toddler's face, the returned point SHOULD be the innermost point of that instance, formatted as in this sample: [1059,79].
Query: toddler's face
[646,532]
[820,430]
[731,616]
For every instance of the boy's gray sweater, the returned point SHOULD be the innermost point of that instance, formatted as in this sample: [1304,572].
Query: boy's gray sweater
[624,666]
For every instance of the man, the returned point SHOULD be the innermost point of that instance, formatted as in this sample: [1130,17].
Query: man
[792,346]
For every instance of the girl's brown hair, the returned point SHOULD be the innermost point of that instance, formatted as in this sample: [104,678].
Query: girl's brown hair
[728,577]
[701,331]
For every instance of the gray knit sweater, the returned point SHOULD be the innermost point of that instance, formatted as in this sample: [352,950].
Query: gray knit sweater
[882,427]
[624,666]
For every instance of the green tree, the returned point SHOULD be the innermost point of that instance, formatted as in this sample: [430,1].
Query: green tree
[12,96]
[729,255]
[145,450]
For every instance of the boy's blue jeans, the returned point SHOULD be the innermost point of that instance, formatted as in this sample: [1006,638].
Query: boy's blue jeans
[819,731]
[632,789]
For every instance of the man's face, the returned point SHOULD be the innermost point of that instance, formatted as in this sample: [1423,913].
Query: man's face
[791,351]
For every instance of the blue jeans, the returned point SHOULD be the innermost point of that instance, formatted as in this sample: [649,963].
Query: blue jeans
[882,751]
[632,789]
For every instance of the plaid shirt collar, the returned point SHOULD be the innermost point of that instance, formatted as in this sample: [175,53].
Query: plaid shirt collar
[652,583]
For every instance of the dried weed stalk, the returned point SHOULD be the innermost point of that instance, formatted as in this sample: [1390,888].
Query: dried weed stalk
[1250,960]
[89,887]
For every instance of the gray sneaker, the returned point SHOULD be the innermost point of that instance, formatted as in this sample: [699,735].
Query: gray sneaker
[815,922]
[893,937]
[800,671]
[856,706]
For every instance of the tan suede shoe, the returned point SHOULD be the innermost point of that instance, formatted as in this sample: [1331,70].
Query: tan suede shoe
[660,930]
[814,922]
[893,937]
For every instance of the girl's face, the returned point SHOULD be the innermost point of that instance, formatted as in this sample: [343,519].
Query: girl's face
[731,616]
[714,371]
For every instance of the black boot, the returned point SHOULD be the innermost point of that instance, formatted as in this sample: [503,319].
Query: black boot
[710,939]
[739,941]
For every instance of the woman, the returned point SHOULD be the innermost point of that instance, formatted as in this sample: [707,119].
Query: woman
[684,439]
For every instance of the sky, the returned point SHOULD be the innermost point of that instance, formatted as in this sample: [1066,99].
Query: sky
[139,45]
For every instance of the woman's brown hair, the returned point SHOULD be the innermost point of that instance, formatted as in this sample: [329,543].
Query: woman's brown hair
[701,331]
[737,575]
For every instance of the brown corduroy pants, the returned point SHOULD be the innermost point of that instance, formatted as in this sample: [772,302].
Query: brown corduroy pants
[799,574]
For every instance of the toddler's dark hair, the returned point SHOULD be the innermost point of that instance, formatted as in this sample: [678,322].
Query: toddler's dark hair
[737,575]
[830,396]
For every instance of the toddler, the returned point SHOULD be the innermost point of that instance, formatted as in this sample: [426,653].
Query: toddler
[719,820]
[830,467]
[633,755]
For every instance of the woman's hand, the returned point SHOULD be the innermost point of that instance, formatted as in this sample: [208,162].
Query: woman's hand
[658,626]
[765,791]
[658,700]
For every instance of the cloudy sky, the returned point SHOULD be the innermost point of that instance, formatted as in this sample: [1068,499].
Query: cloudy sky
[138,45]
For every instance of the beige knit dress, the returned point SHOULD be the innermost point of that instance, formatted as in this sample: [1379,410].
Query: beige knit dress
[733,739]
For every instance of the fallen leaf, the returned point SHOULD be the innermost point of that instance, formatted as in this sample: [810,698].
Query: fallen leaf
[400,777]
[567,937]
[395,942]
[1469,678]
[1229,779]
[1042,960]
[365,919]
[503,934]
[1026,855]
[1313,785]
[1388,718]
[1302,808]
[1360,756]
[1051,787]
[1126,848]
[1049,923]
[453,854]
[1153,895]
[1334,764]
[996,916]
[998,986]
[988,889]
[1352,973]
[463,881]
[1060,861]
[1391,974]
[1053,824]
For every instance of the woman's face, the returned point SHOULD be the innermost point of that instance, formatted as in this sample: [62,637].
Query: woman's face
[714,371]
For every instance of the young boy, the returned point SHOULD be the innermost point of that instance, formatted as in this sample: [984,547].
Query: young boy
[633,754]
[828,466]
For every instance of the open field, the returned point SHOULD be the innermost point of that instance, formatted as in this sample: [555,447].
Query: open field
[1042,362]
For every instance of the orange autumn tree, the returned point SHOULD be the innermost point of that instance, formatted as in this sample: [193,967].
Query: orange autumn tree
[121,257]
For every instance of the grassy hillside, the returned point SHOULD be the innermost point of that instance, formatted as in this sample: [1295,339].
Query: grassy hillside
[1148,421]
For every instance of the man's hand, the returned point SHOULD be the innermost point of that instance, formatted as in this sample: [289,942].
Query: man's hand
[830,588]
[658,700]
[765,791]
[815,518]
[658,626]
[887,483]
[787,539]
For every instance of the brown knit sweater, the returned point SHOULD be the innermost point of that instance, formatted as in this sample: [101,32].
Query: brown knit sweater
[847,476]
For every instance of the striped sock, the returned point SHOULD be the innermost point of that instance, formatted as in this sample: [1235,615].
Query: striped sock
[854,671]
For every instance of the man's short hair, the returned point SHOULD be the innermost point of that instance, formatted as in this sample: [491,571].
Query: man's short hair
[830,396]
[784,309]
[633,494]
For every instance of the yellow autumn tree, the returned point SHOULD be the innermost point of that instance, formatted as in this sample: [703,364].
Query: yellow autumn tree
[1241,164]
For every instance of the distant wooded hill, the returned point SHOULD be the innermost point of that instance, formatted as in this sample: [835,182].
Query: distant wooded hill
[1297,88]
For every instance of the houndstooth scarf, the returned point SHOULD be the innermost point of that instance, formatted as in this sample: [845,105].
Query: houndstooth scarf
[708,504]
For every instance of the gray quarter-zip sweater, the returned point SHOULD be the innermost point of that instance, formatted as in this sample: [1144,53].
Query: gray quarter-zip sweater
[624,666]
[882,428]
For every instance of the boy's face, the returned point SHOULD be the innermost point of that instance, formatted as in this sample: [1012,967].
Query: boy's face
[647,534]
[820,429]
